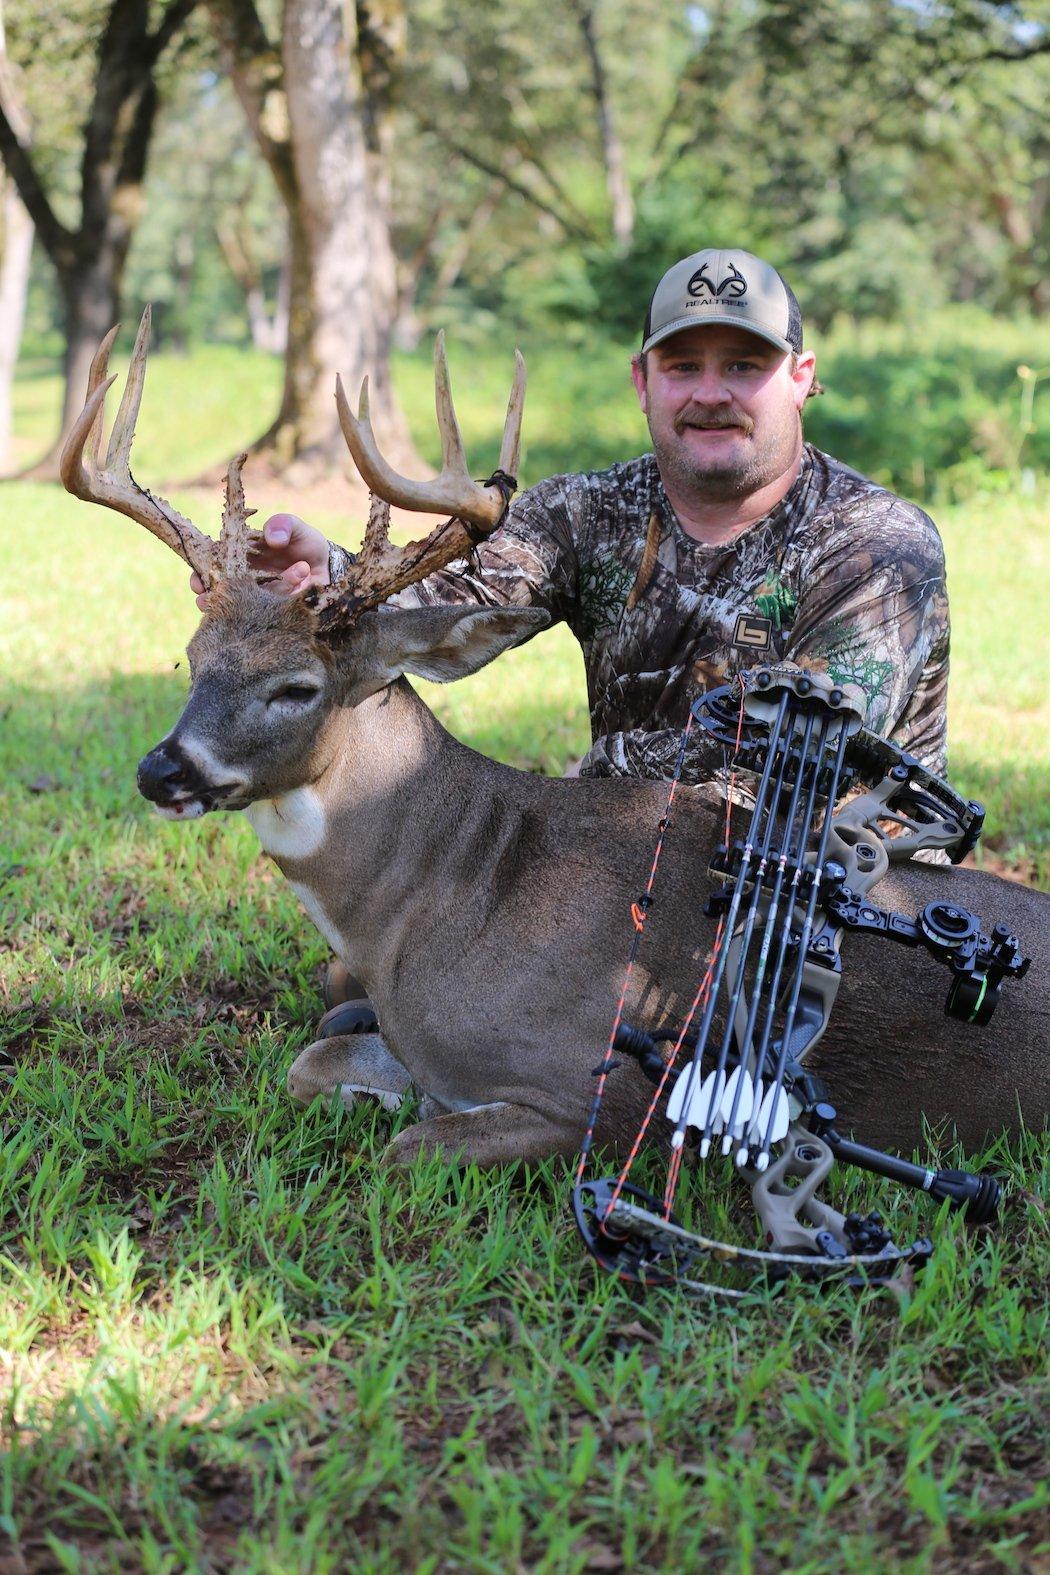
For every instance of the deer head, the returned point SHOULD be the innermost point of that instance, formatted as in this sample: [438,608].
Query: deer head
[269,670]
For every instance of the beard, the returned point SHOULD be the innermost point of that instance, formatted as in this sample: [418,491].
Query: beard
[754,462]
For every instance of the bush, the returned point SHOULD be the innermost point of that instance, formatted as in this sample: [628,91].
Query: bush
[938,415]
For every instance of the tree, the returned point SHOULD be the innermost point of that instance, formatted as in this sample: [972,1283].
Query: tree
[318,98]
[16,247]
[88,256]
[212,240]
[621,202]
[895,154]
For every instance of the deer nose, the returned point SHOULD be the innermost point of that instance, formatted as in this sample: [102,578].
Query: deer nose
[161,774]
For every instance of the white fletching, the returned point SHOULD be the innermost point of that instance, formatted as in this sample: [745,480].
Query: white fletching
[745,1104]
[775,1099]
[707,1101]
[674,1103]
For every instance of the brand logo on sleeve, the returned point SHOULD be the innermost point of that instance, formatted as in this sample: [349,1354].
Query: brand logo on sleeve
[753,633]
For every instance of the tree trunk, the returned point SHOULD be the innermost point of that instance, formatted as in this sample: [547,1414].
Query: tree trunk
[282,307]
[17,239]
[89,261]
[14,282]
[268,334]
[309,110]
[621,201]
[91,298]
[1021,229]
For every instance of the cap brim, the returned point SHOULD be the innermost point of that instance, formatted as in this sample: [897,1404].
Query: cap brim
[710,320]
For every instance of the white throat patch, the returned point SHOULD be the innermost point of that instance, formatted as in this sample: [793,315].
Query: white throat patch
[293,826]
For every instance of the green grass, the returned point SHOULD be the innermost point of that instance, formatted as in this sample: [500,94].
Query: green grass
[228,1342]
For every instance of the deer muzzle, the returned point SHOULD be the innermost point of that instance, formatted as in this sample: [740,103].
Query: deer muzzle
[177,785]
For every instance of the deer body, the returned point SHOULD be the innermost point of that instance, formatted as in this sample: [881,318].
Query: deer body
[487,913]
[486,910]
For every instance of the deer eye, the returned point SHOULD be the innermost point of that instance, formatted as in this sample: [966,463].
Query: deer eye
[294,694]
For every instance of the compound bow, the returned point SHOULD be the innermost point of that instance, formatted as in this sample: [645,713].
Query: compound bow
[789,893]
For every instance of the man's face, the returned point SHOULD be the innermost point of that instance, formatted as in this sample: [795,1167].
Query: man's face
[723,409]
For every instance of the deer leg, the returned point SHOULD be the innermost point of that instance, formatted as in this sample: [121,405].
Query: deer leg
[349,1065]
[496,1134]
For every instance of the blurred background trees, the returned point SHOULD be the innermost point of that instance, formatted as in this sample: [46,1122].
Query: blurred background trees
[328,182]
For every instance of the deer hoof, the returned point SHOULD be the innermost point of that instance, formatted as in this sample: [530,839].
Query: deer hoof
[348,1065]
[350,1017]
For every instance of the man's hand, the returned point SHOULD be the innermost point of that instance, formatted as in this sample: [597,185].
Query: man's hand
[288,548]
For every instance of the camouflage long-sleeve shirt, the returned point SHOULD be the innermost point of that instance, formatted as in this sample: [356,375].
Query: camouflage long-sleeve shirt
[840,576]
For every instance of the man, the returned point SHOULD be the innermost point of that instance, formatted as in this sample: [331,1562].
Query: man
[734,542]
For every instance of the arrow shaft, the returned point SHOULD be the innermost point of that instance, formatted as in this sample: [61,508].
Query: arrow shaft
[807,927]
[776,733]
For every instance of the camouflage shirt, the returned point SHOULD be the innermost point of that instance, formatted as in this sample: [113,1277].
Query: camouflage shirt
[840,576]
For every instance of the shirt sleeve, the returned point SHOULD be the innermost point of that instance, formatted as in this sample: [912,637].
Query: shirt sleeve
[529,562]
[654,755]
[873,613]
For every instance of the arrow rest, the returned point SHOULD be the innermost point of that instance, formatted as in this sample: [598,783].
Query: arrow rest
[789,889]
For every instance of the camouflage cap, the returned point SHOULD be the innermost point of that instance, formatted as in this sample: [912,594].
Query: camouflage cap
[730,286]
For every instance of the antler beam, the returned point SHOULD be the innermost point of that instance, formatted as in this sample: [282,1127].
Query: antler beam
[380,569]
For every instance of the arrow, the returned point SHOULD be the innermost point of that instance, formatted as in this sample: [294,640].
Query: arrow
[738,1103]
[774,1115]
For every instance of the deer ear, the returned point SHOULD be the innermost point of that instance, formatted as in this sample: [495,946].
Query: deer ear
[444,643]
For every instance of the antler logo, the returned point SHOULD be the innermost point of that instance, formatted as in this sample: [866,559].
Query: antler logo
[734,285]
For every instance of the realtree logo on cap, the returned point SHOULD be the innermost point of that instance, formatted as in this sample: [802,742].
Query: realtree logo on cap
[724,287]
[734,282]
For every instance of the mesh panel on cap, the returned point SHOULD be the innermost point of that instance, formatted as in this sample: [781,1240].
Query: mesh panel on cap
[794,327]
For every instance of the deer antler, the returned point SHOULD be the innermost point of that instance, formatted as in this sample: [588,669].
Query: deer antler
[380,569]
[114,486]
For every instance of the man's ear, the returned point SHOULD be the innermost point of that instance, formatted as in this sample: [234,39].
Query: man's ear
[638,378]
[443,643]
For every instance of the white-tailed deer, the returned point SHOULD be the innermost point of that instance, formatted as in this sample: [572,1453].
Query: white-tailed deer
[486,910]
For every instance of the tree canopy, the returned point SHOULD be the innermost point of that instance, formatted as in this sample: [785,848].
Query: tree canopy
[544,164]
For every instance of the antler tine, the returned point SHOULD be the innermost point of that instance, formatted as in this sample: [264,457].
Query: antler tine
[235,537]
[118,455]
[96,376]
[113,485]
[453,459]
[380,570]
[377,530]
[452,492]
[510,448]
[71,468]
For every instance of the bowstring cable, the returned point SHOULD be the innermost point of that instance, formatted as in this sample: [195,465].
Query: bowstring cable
[701,995]
[639,914]
[675,1163]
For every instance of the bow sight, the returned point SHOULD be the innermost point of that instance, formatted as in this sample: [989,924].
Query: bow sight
[791,887]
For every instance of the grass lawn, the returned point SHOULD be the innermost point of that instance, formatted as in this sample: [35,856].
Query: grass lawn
[228,1342]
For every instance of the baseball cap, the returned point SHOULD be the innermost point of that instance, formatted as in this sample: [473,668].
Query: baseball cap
[727,286]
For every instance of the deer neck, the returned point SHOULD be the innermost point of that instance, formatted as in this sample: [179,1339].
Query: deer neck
[386,804]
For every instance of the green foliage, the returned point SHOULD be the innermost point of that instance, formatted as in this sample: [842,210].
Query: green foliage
[890,158]
[932,411]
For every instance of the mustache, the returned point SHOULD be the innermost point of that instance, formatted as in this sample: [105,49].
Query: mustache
[712,416]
